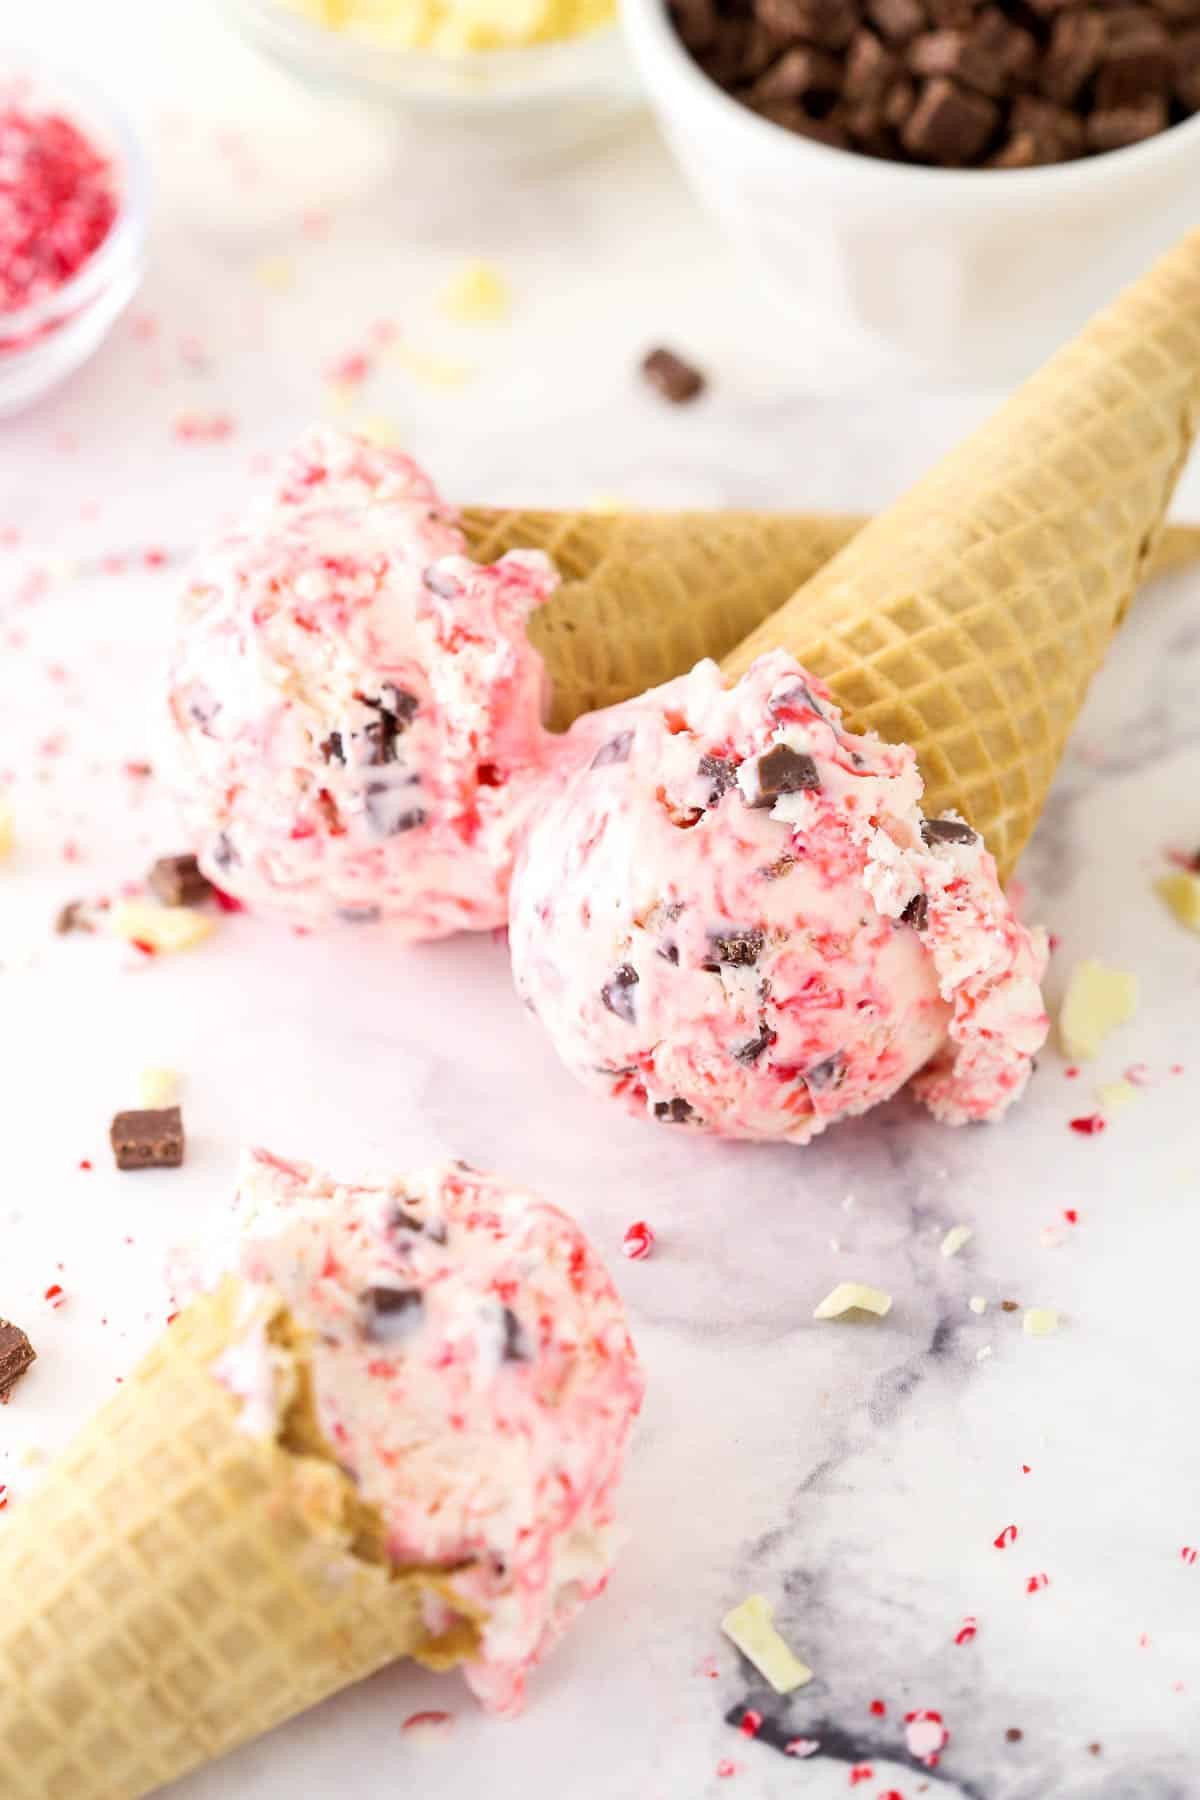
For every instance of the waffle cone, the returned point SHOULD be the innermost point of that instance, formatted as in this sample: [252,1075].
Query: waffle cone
[645,595]
[969,618]
[179,1587]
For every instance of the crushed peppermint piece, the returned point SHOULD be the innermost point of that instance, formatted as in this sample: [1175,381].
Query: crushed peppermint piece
[925,1735]
[968,1630]
[1098,999]
[1035,1583]
[853,1298]
[431,1725]
[1188,1555]
[878,1709]
[638,1241]
[159,928]
[751,1627]
[1088,1124]
[1181,892]
[1040,1321]
[751,1723]
[55,1296]
[861,1772]
[955,1239]
[1004,1538]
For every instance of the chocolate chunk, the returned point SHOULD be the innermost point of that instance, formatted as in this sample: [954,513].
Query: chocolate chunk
[784,771]
[74,916]
[1013,1735]
[721,775]
[617,994]
[947,831]
[752,1049]
[615,751]
[390,810]
[897,20]
[673,1112]
[1077,42]
[829,1073]
[177,881]
[799,74]
[1057,133]
[736,949]
[149,1139]
[224,854]
[994,56]
[397,709]
[517,1347]
[1124,125]
[916,913]
[391,1314]
[871,68]
[333,749]
[697,23]
[949,125]
[829,131]
[1187,68]
[676,380]
[402,1220]
[1137,59]
[829,24]
[1017,152]
[359,915]
[669,953]
[16,1354]
[1010,1306]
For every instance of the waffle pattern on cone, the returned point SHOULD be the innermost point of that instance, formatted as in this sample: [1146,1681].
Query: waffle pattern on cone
[646,595]
[969,618]
[179,1587]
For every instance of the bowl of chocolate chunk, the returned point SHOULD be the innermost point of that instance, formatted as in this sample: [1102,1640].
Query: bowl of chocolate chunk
[950,182]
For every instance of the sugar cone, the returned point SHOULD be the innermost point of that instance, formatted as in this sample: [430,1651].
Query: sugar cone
[969,618]
[645,595]
[179,1586]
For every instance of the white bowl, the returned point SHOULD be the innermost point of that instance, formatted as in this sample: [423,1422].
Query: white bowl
[978,272]
[540,100]
[44,343]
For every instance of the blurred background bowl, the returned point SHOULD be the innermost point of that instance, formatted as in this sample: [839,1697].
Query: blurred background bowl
[975,272]
[41,344]
[534,101]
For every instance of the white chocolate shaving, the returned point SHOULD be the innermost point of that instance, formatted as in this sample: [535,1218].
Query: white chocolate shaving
[751,1626]
[1040,1321]
[1182,894]
[1098,999]
[165,928]
[955,1239]
[850,1297]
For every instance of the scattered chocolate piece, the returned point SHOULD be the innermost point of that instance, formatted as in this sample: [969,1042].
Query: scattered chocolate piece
[1077,41]
[1094,1749]
[720,773]
[359,915]
[617,994]
[750,1051]
[1010,1306]
[947,831]
[391,1314]
[16,1354]
[827,23]
[615,751]
[388,810]
[333,749]
[673,1112]
[830,1073]
[178,881]
[517,1347]
[669,952]
[1124,125]
[736,949]
[1013,1735]
[897,20]
[800,74]
[148,1139]
[783,771]
[916,913]
[949,125]
[74,916]
[224,854]
[676,380]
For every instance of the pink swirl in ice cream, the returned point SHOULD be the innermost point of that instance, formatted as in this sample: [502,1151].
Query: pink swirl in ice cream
[472,1371]
[735,916]
[356,708]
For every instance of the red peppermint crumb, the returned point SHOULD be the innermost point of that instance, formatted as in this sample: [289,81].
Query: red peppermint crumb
[55,1295]
[350,370]
[861,1772]
[1143,1640]
[725,1768]
[751,1723]
[60,203]
[171,1318]
[203,428]
[421,1720]
[3,1496]
[1138,1074]
[145,946]
[801,1746]
[1070,1215]
[1035,1583]
[1025,1469]
[1089,1125]
[1188,1554]
[1053,940]
[878,1709]
[154,558]
[85,1162]
[1005,1538]
[227,902]
[1071,1071]
[892,1794]
[967,1630]
[138,769]
[638,1241]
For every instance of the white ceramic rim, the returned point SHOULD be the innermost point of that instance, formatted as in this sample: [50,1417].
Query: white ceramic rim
[483,78]
[126,238]
[655,40]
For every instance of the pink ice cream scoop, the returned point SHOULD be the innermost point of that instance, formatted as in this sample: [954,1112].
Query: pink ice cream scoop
[472,1369]
[734,915]
[355,706]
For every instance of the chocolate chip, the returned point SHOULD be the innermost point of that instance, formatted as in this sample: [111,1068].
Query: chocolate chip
[669,953]
[829,24]
[177,881]
[916,913]
[1121,126]
[750,1051]
[676,380]
[1136,62]
[783,771]
[1013,1735]
[224,854]
[333,749]
[798,74]
[673,1112]
[735,949]
[16,1354]
[1010,1306]
[401,1220]
[74,916]
[359,915]
[897,20]
[615,751]
[517,1347]
[148,1139]
[949,125]
[389,809]
[947,831]
[617,994]
[391,1314]
[829,1073]
[396,708]
[871,69]
[1077,41]
[721,775]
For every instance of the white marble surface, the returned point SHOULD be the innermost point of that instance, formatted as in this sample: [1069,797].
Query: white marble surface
[856,1476]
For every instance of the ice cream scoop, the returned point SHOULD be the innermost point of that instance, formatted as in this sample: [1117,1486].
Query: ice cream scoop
[741,915]
[470,1364]
[390,1426]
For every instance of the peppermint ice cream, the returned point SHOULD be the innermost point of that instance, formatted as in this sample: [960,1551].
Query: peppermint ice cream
[472,1372]
[356,710]
[734,915]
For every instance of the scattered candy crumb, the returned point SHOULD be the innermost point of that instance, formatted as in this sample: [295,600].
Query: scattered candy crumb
[853,1298]
[1089,1124]
[1036,1583]
[1006,1537]
[977,1304]
[477,295]
[926,1736]
[1181,892]
[1040,1321]
[159,928]
[157,1088]
[1098,999]
[968,1630]
[751,1627]
[638,1242]
[955,1239]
